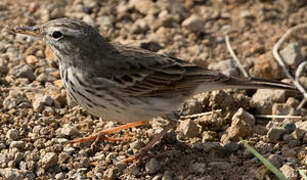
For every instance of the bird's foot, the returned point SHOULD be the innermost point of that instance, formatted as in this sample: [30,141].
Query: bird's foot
[102,134]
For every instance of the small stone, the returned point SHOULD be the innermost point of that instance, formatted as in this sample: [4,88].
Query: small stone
[281,109]
[208,136]
[276,160]
[302,125]
[60,176]
[12,174]
[269,95]
[289,172]
[242,124]
[274,134]
[23,71]
[246,14]
[31,60]
[152,166]
[105,22]
[266,67]
[220,165]
[68,130]
[17,144]
[292,55]
[134,169]
[226,67]
[9,103]
[298,134]
[3,66]
[58,83]
[189,128]
[139,27]
[193,23]
[38,104]
[110,173]
[144,6]
[157,177]
[230,147]
[12,134]
[289,126]
[192,106]
[69,149]
[198,168]
[136,145]
[49,160]
[89,20]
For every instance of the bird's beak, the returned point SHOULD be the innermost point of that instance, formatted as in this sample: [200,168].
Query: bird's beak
[28,30]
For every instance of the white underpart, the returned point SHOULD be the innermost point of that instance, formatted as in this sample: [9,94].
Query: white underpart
[138,109]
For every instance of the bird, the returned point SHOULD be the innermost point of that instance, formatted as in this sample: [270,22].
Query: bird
[128,84]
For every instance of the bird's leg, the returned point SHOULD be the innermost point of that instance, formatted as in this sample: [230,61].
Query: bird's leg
[157,137]
[101,135]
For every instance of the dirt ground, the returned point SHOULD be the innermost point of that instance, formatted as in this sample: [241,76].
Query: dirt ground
[37,118]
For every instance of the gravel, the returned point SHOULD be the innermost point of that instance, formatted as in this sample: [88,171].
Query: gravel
[37,118]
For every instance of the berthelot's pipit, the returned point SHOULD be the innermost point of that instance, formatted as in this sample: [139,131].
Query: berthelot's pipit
[128,84]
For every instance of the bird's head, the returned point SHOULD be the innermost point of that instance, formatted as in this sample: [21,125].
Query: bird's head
[65,36]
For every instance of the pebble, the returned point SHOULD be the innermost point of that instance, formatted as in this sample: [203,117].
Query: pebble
[89,20]
[246,14]
[289,172]
[105,22]
[12,134]
[60,176]
[263,100]
[31,60]
[3,65]
[298,134]
[276,160]
[266,67]
[208,136]
[292,55]
[12,174]
[189,128]
[242,124]
[269,95]
[49,160]
[282,109]
[198,168]
[193,23]
[68,130]
[38,102]
[139,27]
[220,165]
[110,173]
[144,6]
[152,166]
[137,145]
[226,67]
[274,134]
[17,144]
[23,71]
[289,126]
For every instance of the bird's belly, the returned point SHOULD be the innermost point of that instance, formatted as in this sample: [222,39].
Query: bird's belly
[128,109]
[112,106]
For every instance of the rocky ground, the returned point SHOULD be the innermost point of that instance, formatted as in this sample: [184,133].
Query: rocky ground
[37,118]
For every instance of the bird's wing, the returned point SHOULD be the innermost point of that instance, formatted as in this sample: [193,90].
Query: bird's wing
[144,73]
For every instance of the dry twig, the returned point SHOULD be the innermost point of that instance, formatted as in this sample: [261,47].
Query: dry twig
[283,66]
[245,73]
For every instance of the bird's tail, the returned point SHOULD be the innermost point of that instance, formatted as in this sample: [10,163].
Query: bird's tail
[255,83]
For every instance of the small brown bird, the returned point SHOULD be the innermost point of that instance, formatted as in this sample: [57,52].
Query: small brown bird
[128,84]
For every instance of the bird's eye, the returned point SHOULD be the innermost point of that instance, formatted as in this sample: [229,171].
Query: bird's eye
[57,34]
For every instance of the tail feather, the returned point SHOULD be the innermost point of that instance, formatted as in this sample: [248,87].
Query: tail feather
[255,83]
